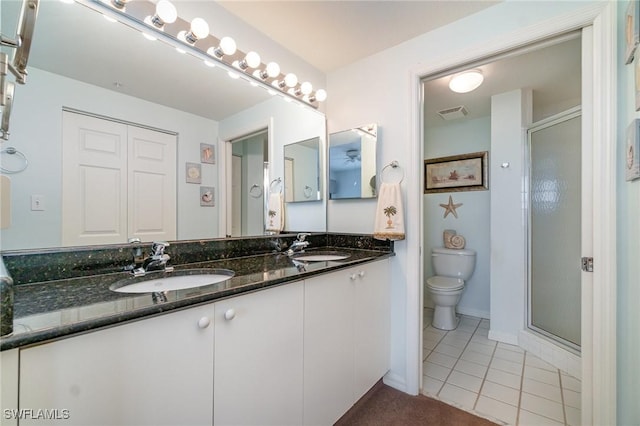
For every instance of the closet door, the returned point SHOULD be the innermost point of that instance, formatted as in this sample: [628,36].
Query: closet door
[118,182]
[94,180]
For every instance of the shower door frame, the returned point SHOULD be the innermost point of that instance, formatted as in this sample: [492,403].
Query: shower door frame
[559,118]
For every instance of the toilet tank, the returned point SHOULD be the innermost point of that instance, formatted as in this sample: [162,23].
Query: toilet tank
[456,263]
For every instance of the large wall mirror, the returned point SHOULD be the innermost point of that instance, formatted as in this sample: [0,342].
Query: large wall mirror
[302,171]
[352,163]
[82,63]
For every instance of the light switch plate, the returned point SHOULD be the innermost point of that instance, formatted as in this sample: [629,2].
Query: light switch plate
[37,202]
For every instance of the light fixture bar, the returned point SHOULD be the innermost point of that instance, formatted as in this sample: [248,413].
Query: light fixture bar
[180,34]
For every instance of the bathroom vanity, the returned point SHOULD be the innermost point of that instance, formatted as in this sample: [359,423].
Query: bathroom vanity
[282,342]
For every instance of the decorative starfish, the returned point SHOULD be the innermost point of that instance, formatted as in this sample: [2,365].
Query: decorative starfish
[450,207]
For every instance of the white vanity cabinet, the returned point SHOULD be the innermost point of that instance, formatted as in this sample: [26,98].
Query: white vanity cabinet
[346,338]
[156,371]
[258,358]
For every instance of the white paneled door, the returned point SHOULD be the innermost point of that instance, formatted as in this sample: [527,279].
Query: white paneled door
[118,182]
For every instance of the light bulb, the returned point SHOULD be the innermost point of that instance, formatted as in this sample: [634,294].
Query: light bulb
[273,69]
[228,46]
[321,95]
[252,59]
[306,88]
[166,12]
[199,29]
[290,80]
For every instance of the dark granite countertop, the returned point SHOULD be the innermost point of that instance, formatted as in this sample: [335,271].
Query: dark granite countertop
[53,309]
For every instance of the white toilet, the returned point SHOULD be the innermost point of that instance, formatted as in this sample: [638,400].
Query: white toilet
[452,267]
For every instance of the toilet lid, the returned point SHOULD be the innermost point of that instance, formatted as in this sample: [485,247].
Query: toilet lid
[445,283]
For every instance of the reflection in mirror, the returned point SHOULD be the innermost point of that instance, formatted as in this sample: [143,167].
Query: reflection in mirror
[352,163]
[115,73]
[302,171]
[249,171]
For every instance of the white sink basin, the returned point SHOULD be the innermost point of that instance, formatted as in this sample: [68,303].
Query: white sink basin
[177,280]
[322,256]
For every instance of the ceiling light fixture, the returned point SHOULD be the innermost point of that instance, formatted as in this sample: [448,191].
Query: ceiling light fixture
[466,81]
[159,20]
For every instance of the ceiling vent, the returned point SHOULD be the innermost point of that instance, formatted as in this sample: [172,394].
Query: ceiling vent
[453,113]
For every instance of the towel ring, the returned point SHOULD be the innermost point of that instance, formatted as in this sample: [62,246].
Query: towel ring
[276,181]
[394,165]
[12,151]
[255,191]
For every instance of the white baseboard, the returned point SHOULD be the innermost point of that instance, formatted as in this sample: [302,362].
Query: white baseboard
[503,337]
[395,381]
[473,312]
[555,355]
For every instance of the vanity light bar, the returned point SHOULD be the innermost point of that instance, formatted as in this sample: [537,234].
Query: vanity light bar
[181,34]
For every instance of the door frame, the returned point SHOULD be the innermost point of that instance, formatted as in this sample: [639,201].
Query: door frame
[599,302]
[225,138]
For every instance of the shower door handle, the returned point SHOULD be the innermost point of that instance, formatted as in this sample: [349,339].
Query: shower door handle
[587,264]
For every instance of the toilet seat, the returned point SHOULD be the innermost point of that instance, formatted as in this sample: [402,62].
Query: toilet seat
[445,283]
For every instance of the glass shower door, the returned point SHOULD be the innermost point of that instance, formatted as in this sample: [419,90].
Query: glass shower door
[555,228]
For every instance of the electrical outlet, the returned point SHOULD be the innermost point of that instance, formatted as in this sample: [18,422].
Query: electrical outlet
[37,202]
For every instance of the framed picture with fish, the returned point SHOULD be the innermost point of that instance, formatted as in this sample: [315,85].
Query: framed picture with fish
[465,172]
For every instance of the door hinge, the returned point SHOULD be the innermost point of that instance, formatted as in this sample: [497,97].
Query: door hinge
[587,264]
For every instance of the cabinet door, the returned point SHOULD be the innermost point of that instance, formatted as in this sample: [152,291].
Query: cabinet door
[9,386]
[258,358]
[372,325]
[328,346]
[156,371]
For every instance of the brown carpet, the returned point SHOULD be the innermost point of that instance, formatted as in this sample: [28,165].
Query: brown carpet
[386,406]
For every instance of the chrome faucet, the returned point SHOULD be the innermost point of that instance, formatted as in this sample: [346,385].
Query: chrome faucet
[157,261]
[299,245]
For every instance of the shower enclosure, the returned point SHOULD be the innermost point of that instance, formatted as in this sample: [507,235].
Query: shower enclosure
[554,205]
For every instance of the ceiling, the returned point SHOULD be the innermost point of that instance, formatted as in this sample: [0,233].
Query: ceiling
[328,34]
[552,71]
[331,34]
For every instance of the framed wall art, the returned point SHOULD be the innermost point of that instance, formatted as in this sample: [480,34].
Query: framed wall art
[465,172]
[207,196]
[193,173]
[207,153]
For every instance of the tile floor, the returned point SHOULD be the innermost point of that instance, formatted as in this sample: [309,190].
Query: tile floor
[497,381]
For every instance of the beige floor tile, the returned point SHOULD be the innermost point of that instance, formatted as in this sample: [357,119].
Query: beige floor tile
[431,386]
[435,371]
[526,418]
[574,416]
[571,398]
[542,406]
[476,357]
[465,381]
[534,361]
[509,355]
[494,408]
[502,393]
[503,378]
[542,390]
[545,376]
[443,348]
[571,383]
[442,359]
[508,366]
[471,368]
[458,396]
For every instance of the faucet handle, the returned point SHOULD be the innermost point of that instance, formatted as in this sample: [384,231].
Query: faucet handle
[303,235]
[157,248]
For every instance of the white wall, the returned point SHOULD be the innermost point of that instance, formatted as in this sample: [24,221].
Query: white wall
[380,88]
[628,247]
[453,138]
[510,116]
[36,130]
[289,123]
